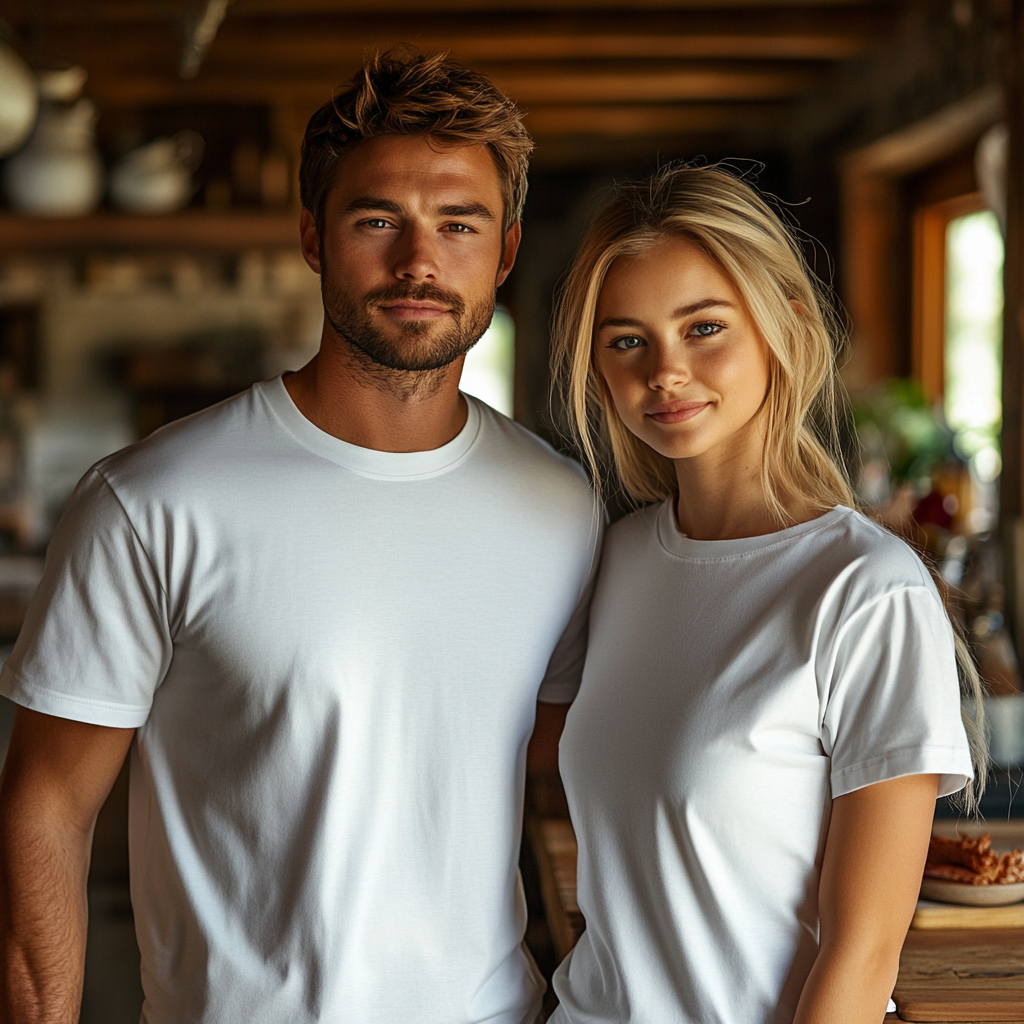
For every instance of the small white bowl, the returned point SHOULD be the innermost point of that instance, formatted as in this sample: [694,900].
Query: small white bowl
[972,895]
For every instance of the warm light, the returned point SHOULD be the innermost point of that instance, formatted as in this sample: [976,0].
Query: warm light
[489,370]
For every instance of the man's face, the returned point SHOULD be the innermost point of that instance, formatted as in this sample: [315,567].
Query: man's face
[412,250]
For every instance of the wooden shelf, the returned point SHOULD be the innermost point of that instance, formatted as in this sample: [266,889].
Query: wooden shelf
[191,229]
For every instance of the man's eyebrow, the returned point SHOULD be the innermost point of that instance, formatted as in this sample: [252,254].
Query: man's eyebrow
[677,314]
[466,210]
[362,203]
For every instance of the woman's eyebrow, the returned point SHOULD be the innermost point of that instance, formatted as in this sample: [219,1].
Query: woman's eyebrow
[696,307]
[678,314]
[618,321]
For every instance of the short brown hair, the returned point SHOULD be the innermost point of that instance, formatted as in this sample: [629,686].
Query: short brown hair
[397,93]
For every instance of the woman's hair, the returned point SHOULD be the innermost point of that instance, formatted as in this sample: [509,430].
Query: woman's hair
[737,230]
[425,95]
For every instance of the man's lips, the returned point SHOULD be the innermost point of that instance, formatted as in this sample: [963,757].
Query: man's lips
[678,412]
[408,309]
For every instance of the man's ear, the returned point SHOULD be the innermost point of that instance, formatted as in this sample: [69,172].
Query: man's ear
[508,256]
[310,239]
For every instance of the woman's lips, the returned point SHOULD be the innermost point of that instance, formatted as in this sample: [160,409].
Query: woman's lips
[678,412]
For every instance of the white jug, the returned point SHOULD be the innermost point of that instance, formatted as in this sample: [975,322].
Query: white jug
[19,100]
[157,178]
[59,172]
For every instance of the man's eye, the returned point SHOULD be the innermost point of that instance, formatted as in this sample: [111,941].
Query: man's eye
[376,222]
[627,342]
[459,229]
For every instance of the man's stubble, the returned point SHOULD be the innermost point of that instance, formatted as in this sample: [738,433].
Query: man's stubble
[413,356]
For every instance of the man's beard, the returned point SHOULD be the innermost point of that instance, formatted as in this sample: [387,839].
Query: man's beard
[408,347]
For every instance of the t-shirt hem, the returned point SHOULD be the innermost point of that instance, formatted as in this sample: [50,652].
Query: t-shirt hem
[78,709]
[951,764]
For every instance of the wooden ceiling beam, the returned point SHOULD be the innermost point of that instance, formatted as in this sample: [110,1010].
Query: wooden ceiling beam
[648,121]
[59,12]
[530,87]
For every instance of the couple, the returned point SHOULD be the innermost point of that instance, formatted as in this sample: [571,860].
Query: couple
[318,617]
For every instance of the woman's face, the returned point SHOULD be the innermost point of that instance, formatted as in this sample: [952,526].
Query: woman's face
[685,365]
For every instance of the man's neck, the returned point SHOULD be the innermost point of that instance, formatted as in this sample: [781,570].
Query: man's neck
[344,394]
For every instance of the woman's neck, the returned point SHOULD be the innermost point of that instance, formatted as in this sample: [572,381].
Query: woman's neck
[721,497]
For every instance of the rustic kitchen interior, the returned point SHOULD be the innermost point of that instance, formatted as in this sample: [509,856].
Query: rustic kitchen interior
[149,267]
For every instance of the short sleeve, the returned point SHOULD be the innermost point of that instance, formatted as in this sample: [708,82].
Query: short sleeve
[893,704]
[96,641]
[565,668]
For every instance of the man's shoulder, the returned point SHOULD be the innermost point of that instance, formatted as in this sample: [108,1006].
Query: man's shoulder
[528,452]
[183,453]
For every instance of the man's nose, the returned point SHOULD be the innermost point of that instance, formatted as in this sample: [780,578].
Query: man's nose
[415,256]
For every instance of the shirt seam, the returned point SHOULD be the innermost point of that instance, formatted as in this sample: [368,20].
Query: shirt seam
[711,560]
[138,537]
[369,475]
[915,750]
[28,685]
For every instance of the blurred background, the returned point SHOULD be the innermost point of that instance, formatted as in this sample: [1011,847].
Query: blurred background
[149,263]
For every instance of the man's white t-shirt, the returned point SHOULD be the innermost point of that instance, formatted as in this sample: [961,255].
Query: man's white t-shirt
[732,690]
[332,657]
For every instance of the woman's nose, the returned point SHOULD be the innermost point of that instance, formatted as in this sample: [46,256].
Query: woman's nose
[668,369]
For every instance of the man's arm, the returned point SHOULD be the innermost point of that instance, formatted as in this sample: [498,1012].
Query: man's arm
[870,878]
[56,777]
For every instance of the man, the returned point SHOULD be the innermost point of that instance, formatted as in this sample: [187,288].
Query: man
[318,616]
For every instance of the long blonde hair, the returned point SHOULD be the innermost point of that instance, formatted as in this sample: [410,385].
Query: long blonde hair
[750,243]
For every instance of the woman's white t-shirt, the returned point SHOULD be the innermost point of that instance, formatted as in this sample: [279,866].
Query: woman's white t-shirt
[732,690]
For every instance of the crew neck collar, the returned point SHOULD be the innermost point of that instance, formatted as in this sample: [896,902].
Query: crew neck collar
[368,461]
[678,544]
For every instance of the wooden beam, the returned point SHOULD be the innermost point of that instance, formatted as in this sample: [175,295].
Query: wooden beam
[1011,483]
[190,229]
[648,120]
[114,11]
[646,83]
[650,83]
[487,37]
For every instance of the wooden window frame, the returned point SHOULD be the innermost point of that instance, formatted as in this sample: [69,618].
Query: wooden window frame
[928,324]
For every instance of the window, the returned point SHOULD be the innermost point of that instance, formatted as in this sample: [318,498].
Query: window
[490,365]
[973,339]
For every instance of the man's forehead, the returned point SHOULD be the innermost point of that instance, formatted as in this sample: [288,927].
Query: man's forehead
[418,170]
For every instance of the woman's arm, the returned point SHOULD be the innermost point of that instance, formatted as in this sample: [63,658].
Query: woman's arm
[874,859]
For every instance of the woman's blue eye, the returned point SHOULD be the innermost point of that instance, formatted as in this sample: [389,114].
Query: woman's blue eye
[630,341]
[706,330]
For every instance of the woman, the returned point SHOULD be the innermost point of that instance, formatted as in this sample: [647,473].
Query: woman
[770,703]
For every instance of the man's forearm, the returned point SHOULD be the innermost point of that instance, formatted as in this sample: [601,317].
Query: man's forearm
[43,917]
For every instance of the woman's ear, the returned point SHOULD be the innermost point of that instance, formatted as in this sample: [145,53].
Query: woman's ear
[798,306]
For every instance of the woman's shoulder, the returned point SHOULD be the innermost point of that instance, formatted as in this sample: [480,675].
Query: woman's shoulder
[877,552]
[640,524]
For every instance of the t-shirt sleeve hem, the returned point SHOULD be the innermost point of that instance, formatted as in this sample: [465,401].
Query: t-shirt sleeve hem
[78,709]
[951,764]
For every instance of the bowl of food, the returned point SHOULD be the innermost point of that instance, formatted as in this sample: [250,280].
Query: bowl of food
[968,871]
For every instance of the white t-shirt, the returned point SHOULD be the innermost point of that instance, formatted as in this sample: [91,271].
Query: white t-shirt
[332,656]
[732,689]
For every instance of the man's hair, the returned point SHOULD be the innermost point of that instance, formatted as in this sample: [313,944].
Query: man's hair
[424,95]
